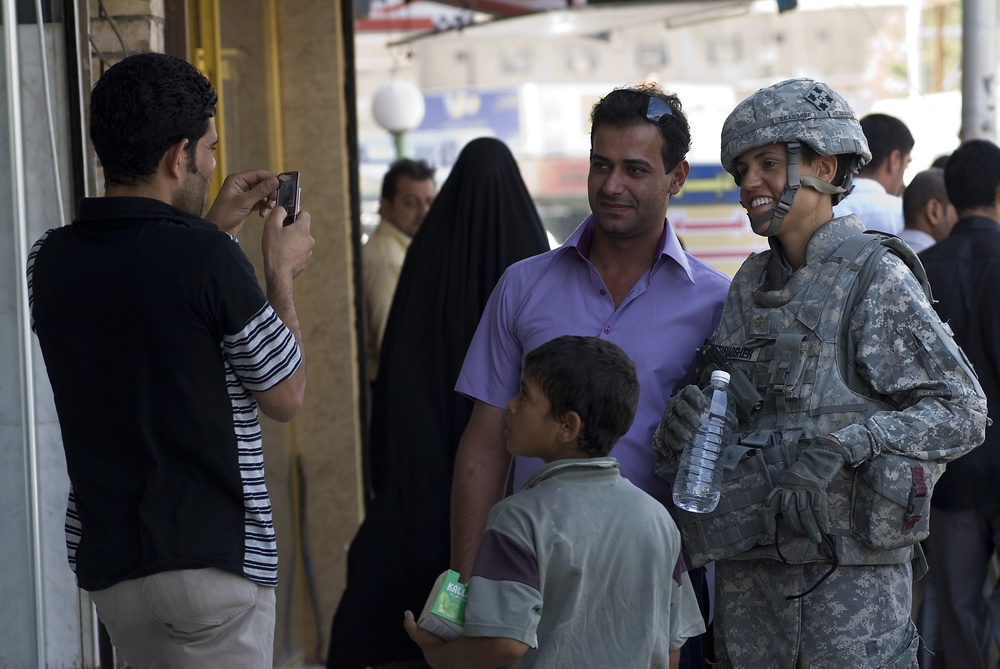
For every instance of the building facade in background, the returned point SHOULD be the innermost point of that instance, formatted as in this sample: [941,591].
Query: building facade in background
[530,80]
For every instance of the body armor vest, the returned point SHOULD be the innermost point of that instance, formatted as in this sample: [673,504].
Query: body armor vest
[794,344]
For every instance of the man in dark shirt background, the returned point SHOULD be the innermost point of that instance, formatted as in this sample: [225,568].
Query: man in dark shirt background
[964,271]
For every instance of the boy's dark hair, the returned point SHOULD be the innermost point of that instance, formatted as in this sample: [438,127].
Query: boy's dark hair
[972,175]
[885,134]
[141,107]
[592,377]
[926,186]
[417,170]
[630,106]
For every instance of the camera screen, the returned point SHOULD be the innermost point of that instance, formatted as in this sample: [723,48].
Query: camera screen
[287,191]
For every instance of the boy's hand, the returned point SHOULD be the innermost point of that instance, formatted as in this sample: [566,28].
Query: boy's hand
[420,636]
[464,651]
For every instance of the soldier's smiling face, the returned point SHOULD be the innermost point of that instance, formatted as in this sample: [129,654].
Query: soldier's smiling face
[763,176]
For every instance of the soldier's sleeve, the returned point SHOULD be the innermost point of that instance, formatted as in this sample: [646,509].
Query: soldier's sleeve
[910,357]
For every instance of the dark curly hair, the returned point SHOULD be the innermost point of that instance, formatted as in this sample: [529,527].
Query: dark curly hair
[627,106]
[593,377]
[141,107]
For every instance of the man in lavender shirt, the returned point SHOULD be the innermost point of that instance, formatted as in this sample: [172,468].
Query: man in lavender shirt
[623,276]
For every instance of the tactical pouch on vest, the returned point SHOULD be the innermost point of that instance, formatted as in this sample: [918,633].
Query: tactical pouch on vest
[891,501]
[709,358]
[749,469]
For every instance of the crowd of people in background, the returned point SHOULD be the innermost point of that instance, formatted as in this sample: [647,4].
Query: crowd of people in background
[530,405]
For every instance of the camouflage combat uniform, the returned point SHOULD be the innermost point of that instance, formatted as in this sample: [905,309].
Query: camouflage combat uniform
[922,400]
[847,345]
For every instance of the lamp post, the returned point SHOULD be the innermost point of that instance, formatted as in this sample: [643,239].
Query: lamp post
[979,70]
[398,106]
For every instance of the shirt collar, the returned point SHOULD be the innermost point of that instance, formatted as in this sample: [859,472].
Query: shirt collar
[826,240]
[390,230]
[129,209]
[553,468]
[670,246]
[914,234]
[869,185]
[975,223]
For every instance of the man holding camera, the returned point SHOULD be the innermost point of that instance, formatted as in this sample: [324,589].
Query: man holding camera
[160,346]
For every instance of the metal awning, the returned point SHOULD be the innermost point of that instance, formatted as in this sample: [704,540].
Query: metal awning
[550,18]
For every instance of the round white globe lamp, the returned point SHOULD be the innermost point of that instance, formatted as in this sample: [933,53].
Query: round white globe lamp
[398,106]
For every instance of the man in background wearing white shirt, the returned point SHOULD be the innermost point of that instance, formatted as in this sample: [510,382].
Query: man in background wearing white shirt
[928,212]
[879,185]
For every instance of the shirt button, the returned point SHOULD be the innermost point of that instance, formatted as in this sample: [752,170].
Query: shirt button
[607,329]
[603,292]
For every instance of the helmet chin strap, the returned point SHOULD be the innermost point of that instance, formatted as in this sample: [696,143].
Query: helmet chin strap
[776,216]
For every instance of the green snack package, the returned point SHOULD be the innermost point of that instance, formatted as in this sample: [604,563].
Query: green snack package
[444,612]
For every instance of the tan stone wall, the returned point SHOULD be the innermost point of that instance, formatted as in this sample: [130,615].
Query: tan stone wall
[132,25]
[327,432]
[324,438]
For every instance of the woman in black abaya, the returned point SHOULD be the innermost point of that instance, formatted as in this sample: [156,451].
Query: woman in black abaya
[482,221]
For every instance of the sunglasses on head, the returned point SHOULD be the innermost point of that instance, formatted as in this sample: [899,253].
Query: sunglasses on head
[658,112]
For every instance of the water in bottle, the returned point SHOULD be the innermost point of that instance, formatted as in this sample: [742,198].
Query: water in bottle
[699,475]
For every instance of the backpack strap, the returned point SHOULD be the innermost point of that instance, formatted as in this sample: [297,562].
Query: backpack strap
[906,254]
[858,246]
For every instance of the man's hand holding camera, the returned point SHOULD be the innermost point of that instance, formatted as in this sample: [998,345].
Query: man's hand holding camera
[240,195]
[286,248]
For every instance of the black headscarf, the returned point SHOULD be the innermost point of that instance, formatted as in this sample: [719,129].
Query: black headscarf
[481,221]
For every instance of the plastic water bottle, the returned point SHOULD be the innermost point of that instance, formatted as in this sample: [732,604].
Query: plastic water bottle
[699,475]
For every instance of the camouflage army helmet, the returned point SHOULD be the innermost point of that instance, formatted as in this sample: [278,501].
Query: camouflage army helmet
[796,112]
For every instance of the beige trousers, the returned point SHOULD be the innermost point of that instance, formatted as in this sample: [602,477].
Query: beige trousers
[190,619]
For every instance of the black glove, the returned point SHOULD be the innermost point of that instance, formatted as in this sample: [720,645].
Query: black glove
[678,425]
[800,496]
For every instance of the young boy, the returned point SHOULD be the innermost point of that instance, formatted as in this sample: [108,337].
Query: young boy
[579,568]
